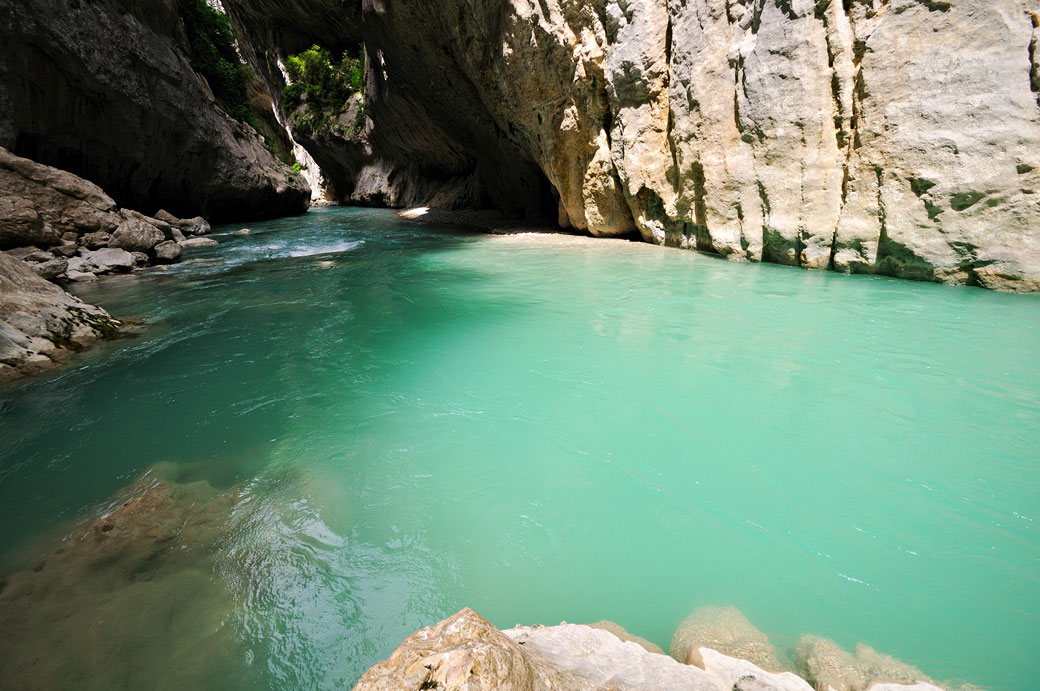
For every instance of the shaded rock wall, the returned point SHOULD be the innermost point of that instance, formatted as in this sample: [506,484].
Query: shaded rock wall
[103,89]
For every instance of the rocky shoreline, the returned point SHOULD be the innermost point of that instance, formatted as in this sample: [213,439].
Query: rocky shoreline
[55,229]
[714,649]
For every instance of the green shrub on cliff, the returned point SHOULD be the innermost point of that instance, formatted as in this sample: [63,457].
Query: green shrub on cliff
[322,85]
[211,43]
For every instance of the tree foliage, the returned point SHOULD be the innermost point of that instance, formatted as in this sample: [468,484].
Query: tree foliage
[212,45]
[321,84]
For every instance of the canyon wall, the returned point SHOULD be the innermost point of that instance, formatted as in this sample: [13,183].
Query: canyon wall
[105,89]
[898,137]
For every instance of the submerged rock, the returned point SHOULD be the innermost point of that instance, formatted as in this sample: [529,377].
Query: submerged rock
[728,631]
[134,583]
[826,664]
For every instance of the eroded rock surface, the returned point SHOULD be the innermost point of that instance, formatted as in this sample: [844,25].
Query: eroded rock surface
[41,324]
[895,137]
[465,652]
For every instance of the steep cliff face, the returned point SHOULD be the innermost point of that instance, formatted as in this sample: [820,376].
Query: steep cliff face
[104,89]
[898,137]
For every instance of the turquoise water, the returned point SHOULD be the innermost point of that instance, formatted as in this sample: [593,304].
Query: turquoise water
[552,428]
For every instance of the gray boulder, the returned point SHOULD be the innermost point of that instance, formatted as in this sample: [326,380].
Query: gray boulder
[96,240]
[195,226]
[198,242]
[50,269]
[141,259]
[135,235]
[80,276]
[167,252]
[66,249]
[40,323]
[728,631]
[21,224]
[107,260]
[29,254]
[42,205]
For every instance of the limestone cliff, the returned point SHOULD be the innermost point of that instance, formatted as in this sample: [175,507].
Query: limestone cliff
[105,89]
[898,137]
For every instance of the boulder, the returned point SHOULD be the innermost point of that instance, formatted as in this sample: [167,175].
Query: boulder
[40,323]
[96,240]
[194,226]
[176,235]
[80,276]
[164,215]
[728,631]
[462,652]
[135,235]
[826,664]
[44,205]
[20,224]
[51,269]
[65,249]
[573,656]
[141,259]
[167,252]
[107,260]
[198,242]
[243,231]
[624,635]
[30,254]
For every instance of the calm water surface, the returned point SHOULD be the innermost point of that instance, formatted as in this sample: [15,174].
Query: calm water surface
[416,419]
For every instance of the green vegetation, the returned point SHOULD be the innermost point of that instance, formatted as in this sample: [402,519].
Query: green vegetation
[212,47]
[322,86]
[962,200]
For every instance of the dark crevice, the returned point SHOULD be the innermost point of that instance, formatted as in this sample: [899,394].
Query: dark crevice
[1034,66]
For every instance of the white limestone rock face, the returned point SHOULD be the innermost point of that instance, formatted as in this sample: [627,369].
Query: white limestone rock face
[896,137]
[741,675]
[466,653]
[588,658]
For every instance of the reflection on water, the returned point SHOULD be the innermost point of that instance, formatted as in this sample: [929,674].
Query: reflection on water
[369,424]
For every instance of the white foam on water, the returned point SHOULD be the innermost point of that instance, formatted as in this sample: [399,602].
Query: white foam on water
[326,249]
